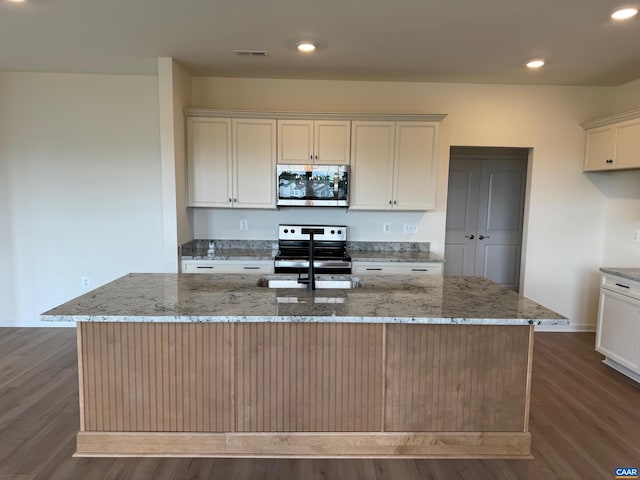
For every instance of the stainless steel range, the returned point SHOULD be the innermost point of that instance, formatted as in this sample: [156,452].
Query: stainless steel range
[329,250]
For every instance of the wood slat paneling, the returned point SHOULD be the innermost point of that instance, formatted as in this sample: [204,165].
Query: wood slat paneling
[447,378]
[143,377]
[309,377]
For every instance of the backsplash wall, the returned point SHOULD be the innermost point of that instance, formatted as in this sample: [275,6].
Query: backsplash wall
[363,225]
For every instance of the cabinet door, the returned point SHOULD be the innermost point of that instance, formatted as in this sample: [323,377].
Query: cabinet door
[209,162]
[372,150]
[600,148]
[254,163]
[628,145]
[332,142]
[295,142]
[414,166]
[618,334]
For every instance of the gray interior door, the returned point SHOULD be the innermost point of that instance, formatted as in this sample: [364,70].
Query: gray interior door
[485,211]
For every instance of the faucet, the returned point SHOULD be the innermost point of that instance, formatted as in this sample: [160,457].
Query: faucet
[311,280]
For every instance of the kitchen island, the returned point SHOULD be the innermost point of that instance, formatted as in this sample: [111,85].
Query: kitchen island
[214,365]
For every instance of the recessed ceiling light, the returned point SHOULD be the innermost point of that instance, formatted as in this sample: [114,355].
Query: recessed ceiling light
[17,1]
[306,47]
[625,12]
[537,63]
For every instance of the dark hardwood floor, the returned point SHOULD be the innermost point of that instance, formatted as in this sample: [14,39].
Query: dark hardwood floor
[585,421]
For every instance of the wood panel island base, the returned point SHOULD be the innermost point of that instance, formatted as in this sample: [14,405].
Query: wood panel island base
[293,385]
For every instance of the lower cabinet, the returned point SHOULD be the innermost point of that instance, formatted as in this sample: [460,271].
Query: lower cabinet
[263,267]
[618,333]
[398,268]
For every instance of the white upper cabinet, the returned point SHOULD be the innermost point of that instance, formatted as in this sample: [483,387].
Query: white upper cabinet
[209,162]
[628,145]
[231,162]
[393,165]
[324,142]
[254,163]
[613,145]
[414,166]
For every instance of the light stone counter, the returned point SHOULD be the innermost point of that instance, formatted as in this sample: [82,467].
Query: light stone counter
[154,297]
[628,273]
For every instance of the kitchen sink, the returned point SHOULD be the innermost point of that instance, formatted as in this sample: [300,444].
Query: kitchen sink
[322,282]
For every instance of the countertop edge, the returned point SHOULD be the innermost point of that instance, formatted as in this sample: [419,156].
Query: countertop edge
[302,319]
[628,273]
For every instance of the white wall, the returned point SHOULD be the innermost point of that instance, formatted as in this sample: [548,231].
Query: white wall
[81,192]
[174,85]
[561,262]
[627,97]
[623,218]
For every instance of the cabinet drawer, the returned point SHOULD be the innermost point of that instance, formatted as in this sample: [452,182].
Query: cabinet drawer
[397,268]
[621,285]
[227,266]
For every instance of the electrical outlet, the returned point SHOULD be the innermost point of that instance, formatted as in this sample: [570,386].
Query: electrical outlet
[244,225]
[636,236]
[85,282]
[410,228]
[386,227]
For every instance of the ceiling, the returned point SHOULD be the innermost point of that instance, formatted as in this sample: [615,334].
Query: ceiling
[465,41]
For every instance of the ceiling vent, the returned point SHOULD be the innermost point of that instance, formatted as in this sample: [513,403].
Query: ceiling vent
[252,53]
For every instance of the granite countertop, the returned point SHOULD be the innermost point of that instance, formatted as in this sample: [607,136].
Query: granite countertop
[158,297]
[629,273]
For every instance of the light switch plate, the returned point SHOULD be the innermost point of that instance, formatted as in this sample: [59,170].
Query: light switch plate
[386,227]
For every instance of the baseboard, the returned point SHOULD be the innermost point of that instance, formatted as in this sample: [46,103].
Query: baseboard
[622,369]
[572,327]
[38,325]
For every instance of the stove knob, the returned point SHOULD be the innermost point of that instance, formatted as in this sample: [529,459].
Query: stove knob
[332,232]
[293,230]
[286,230]
[339,232]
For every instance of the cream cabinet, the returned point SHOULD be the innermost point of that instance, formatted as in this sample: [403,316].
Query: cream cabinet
[209,162]
[397,268]
[263,267]
[231,162]
[613,146]
[618,331]
[314,141]
[393,165]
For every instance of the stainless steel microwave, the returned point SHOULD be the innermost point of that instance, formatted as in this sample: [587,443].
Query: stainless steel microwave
[313,185]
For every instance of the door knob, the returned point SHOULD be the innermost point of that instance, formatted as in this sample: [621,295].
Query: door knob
[470,237]
[482,237]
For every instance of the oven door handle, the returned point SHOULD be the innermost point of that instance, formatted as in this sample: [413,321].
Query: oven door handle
[316,264]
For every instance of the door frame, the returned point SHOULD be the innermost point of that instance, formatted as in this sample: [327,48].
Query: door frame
[496,152]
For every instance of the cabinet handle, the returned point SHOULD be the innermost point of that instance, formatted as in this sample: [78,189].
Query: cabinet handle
[621,285]
[609,160]
[390,202]
[470,237]
[395,202]
[251,268]
[316,157]
[372,269]
[229,200]
[311,157]
[234,200]
[419,270]
[482,237]
[210,268]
